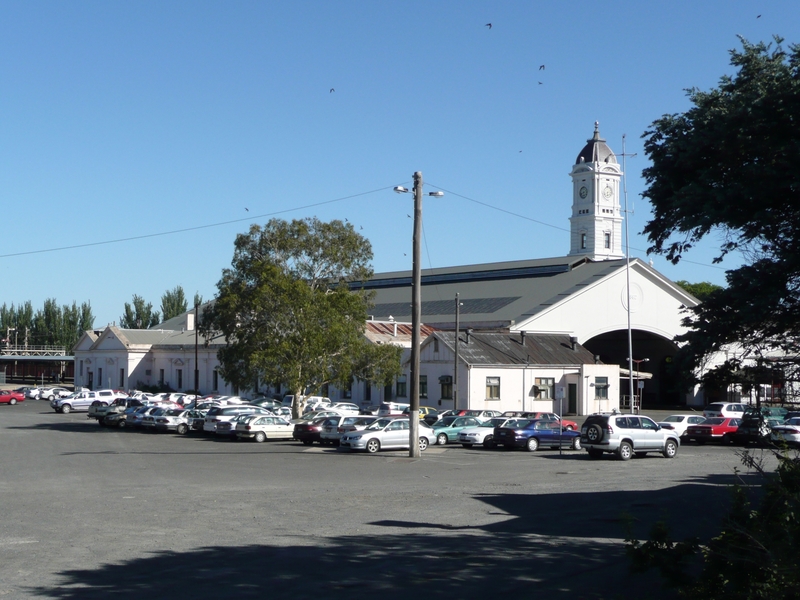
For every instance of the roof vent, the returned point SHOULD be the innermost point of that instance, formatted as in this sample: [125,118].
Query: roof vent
[573,341]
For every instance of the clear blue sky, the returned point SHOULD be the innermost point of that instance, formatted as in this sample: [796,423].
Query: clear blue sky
[127,119]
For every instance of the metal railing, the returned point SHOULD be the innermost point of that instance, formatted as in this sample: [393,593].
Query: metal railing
[12,350]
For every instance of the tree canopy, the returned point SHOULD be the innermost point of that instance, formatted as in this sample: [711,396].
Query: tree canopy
[702,290]
[727,167]
[52,325]
[173,303]
[287,311]
[139,315]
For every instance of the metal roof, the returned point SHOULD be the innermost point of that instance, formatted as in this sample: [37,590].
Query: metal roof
[484,348]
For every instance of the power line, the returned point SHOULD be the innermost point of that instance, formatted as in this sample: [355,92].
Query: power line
[196,228]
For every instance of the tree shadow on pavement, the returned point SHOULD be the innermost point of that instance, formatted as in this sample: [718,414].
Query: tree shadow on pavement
[563,546]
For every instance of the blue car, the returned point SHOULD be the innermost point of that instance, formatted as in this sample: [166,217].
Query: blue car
[535,433]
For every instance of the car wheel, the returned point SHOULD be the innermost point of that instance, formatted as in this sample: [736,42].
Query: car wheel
[532,445]
[670,449]
[625,451]
[260,437]
[594,433]
[308,442]
[121,424]
[466,445]
[373,446]
[66,408]
[576,443]
[727,439]
[182,429]
[51,397]
[423,444]
[595,453]
[441,439]
[488,442]
[13,401]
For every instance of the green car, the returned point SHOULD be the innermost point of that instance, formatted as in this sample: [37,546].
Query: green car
[447,429]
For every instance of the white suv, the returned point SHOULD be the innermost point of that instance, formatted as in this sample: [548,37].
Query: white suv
[725,410]
[626,435]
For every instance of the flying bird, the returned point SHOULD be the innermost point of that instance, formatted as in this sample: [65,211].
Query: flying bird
[540,83]
[489,25]
[247,209]
[541,67]
[332,90]
[758,17]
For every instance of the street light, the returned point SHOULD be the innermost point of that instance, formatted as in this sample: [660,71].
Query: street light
[416,311]
[637,363]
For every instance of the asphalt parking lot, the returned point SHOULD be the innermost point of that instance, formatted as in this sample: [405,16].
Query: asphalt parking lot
[89,512]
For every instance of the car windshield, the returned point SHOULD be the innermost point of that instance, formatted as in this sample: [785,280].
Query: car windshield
[379,424]
[446,421]
[175,412]
[714,421]
[496,422]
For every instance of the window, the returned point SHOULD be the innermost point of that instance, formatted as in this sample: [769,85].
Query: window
[81,369]
[447,389]
[100,377]
[601,387]
[122,378]
[423,386]
[583,241]
[215,379]
[179,374]
[545,386]
[161,377]
[435,345]
[607,240]
[401,387]
[493,388]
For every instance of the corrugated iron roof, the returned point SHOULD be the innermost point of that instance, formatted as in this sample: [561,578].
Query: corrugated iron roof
[480,348]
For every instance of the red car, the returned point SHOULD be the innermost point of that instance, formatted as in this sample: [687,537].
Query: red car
[11,397]
[715,429]
[546,416]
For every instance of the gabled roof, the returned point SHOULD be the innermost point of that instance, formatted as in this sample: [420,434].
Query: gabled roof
[531,349]
[498,295]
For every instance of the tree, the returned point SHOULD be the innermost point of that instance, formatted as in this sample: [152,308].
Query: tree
[701,290]
[757,553]
[173,303]
[140,315]
[287,311]
[727,166]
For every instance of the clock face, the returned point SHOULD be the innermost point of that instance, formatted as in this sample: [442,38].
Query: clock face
[608,192]
[583,192]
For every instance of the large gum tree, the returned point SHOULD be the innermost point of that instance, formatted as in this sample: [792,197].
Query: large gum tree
[727,168]
[288,313]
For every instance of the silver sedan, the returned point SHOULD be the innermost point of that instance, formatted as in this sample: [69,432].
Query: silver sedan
[386,433]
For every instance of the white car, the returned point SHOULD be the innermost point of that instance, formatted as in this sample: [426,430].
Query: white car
[483,434]
[679,423]
[333,428]
[725,410]
[218,414]
[788,432]
[262,428]
[51,393]
[387,434]
[33,393]
[345,408]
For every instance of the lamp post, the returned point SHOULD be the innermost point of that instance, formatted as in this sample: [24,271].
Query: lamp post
[637,363]
[455,365]
[416,312]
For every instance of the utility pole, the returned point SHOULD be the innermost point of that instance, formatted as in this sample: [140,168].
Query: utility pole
[416,311]
[416,317]
[455,366]
[196,366]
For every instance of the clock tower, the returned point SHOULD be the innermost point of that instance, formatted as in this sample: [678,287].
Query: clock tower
[596,221]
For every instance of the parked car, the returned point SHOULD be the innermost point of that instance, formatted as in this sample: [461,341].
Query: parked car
[679,423]
[788,432]
[148,422]
[308,432]
[392,408]
[755,426]
[269,403]
[82,400]
[175,419]
[334,427]
[386,434]
[120,419]
[262,428]
[218,414]
[553,417]
[535,433]
[482,414]
[51,393]
[344,408]
[134,421]
[724,409]
[714,429]
[626,435]
[483,434]
[424,412]
[11,397]
[228,428]
[33,393]
[448,428]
